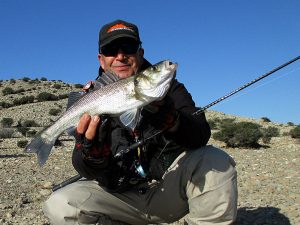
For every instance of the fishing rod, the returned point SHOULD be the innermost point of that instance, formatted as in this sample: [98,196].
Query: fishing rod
[120,154]
[201,110]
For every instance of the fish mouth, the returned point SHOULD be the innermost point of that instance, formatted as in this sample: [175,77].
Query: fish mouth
[170,65]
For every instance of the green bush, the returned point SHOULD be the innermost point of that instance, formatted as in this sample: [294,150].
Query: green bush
[295,133]
[24,100]
[56,86]
[36,81]
[12,81]
[31,133]
[22,143]
[290,124]
[30,123]
[20,90]
[8,91]
[4,104]
[6,132]
[63,96]
[212,124]
[265,119]
[7,122]
[54,112]
[45,96]
[44,79]
[23,130]
[26,79]
[268,133]
[78,85]
[242,134]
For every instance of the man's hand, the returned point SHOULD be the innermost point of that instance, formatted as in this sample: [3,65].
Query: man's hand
[88,126]
[91,137]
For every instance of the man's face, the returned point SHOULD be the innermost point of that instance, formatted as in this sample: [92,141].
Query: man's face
[122,56]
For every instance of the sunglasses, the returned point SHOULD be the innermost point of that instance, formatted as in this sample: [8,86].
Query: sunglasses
[127,48]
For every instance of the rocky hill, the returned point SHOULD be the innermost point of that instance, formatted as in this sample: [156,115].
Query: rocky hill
[269,181]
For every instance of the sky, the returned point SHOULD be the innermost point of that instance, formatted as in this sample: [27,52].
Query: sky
[218,45]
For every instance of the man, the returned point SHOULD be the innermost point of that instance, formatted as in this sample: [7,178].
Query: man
[170,176]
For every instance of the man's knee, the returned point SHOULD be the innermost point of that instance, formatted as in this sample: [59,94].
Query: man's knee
[55,207]
[211,162]
[214,183]
[63,205]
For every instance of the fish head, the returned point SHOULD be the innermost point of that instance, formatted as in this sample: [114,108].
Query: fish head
[154,82]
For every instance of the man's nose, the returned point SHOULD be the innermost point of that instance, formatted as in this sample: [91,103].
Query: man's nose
[120,55]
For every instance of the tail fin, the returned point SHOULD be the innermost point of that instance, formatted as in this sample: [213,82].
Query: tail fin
[42,147]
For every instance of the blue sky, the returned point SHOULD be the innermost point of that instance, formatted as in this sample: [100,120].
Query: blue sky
[219,46]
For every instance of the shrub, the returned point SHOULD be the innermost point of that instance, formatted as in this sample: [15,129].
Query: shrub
[23,130]
[63,96]
[31,133]
[54,112]
[56,86]
[26,79]
[268,133]
[265,119]
[242,134]
[24,100]
[78,85]
[20,90]
[22,143]
[290,124]
[7,122]
[212,124]
[45,96]
[30,123]
[5,104]
[226,122]
[6,132]
[295,133]
[44,79]
[7,91]
[12,81]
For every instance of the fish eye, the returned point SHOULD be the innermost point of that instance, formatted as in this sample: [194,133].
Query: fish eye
[154,68]
[136,81]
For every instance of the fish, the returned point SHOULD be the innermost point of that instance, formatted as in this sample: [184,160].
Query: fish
[123,98]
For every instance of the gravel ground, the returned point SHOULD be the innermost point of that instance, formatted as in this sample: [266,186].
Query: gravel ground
[268,180]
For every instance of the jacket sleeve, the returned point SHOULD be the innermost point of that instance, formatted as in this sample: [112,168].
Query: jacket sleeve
[193,130]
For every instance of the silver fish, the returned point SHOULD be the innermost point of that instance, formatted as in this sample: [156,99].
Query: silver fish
[123,98]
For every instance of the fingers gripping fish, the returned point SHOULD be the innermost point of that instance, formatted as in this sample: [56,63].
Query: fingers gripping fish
[122,98]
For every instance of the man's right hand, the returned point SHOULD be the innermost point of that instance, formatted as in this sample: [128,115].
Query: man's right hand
[91,135]
[88,126]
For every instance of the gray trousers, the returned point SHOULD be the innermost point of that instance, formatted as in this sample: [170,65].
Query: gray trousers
[201,184]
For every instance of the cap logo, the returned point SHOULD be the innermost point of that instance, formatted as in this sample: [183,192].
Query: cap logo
[119,26]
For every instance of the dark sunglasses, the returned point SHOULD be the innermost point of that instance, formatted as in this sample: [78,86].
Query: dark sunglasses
[127,48]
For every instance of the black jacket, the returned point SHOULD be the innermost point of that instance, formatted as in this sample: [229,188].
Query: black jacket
[158,153]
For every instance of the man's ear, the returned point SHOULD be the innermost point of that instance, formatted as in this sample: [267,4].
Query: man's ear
[141,52]
[101,61]
[99,57]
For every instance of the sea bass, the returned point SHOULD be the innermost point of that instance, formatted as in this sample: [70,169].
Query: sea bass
[123,98]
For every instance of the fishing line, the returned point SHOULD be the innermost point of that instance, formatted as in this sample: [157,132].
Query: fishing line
[263,84]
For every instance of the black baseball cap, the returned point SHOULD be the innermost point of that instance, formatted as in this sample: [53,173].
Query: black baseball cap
[118,29]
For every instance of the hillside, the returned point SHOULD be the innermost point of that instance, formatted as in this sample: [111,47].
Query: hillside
[269,181]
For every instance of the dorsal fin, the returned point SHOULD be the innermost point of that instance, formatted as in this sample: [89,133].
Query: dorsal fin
[107,78]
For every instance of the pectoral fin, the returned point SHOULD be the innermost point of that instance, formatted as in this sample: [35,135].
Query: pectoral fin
[131,118]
